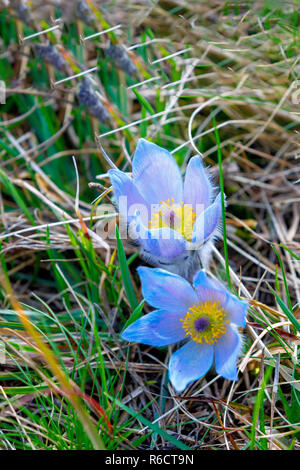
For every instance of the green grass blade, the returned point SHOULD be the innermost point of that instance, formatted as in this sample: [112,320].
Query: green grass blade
[153,426]
[223,202]
[125,273]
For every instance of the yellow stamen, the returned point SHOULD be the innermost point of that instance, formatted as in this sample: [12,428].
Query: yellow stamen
[177,216]
[205,322]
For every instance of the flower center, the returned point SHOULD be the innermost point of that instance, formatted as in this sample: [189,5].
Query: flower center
[177,216]
[201,324]
[205,322]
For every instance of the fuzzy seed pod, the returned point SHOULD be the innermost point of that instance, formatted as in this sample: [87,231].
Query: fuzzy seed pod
[51,55]
[22,10]
[88,97]
[84,12]
[121,58]
[77,9]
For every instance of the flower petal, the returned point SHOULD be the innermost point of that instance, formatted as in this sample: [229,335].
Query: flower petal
[203,279]
[158,328]
[156,173]
[163,243]
[227,351]
[124,187]
[197,189]
[237,310]
[164,290]
[208,288]
[208,222]
[190,363]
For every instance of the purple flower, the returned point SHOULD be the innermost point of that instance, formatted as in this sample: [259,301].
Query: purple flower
[206,314]
[172,222]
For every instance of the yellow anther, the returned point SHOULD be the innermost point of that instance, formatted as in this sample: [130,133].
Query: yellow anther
[177,216]
[205,322]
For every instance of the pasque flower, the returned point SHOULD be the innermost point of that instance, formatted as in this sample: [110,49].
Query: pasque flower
[205,313]
[173,222]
